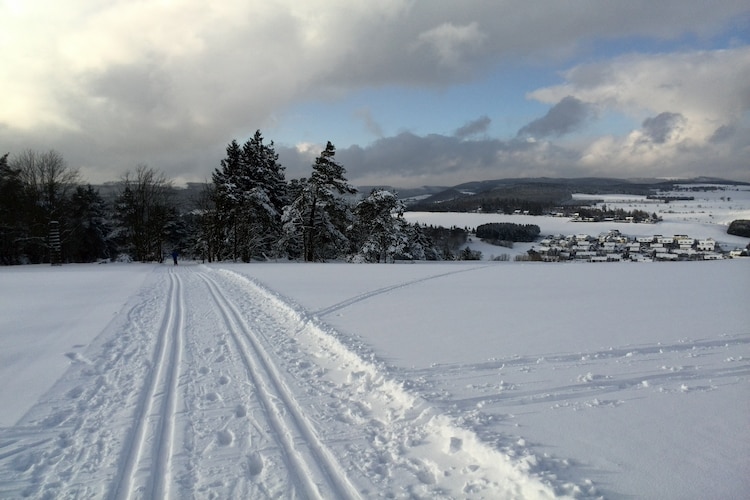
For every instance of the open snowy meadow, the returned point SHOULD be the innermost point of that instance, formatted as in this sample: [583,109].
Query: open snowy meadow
[416,380]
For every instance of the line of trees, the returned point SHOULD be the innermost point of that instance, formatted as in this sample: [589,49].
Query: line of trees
[248,211]
[507,231]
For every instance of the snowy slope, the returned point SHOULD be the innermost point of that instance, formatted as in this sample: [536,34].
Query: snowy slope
[462,380]
[425,380]
[209,385]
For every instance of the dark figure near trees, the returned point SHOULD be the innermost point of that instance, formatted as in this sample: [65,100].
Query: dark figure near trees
[174,256]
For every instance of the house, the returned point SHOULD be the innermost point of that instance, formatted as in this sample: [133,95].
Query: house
[666,256]
[707,245]
[586,255]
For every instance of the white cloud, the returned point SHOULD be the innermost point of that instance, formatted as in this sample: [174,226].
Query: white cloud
[453,43]
[709,88]
[111,83]
[683,102]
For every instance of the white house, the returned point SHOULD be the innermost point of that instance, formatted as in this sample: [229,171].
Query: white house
[707,245]
[666,256]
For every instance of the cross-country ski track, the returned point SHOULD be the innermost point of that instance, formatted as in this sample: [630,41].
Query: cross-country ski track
[208,385]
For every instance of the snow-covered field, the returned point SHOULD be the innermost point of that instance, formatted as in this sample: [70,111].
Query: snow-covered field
[426,380]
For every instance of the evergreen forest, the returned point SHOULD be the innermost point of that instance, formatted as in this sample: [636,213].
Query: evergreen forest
[248,212]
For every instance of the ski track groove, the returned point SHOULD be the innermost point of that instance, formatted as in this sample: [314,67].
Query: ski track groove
[291,427]
[373,293]
[167,358]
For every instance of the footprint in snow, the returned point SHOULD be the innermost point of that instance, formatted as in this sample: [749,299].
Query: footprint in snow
[225,437]
[456,445]
[254,464]
[240,411]
[75,393]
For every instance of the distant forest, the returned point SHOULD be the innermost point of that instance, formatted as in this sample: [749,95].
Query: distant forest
[248,212]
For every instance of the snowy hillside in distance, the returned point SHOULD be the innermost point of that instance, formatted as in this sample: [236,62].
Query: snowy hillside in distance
[708,215]
[412,380]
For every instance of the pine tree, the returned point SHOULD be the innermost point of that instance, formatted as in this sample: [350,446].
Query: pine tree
[14,203]
[90,229]
[250,194]
[228,201]
[292,220]
[382,232]
[321,212]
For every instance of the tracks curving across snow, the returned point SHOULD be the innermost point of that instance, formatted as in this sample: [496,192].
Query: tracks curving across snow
[225,390]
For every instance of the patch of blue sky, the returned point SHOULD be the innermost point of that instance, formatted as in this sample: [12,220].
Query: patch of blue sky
[370,113]
[736,34]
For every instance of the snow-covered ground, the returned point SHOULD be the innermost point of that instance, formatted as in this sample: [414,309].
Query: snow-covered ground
[707,216]
[426,380]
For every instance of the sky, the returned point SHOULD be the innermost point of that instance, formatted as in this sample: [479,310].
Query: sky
[411,92]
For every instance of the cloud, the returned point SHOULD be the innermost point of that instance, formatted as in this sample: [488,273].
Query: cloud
[662,127]
[708,93]
[409,160]
[113,84]
[564,117]
[478,126]
[452,43]
[708,88]
[372,126]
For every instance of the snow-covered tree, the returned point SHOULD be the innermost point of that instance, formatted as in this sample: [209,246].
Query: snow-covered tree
[250,195]
[319,213]
[382,233]
[89,227]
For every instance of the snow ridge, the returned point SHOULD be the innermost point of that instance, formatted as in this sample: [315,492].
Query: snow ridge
[394,438]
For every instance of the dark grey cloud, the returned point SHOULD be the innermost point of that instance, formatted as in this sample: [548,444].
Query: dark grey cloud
[723,133]
[478,126]
[116,86]
[133,88]
[659,129]
[409,160]
[564,117]
[440,43]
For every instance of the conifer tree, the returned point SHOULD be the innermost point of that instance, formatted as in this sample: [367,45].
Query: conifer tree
[90,228]
[13,205]
[320,214]
[250,194]
[381,229]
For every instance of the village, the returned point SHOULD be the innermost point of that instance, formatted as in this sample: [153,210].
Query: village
[613,246]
